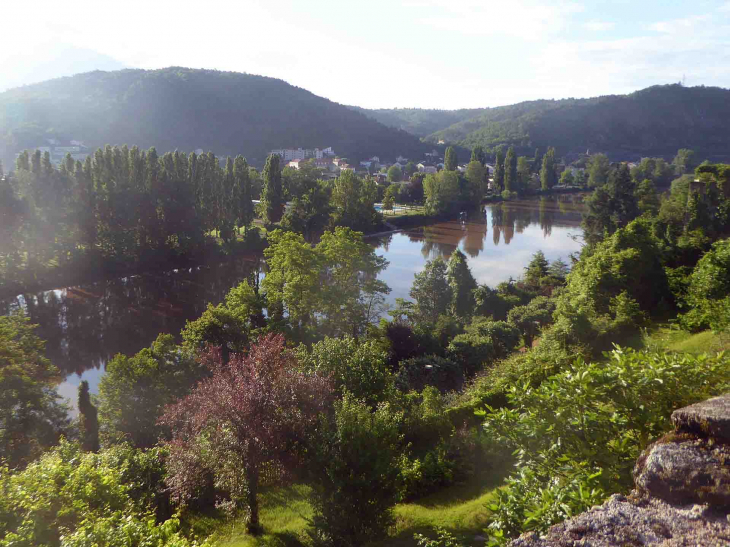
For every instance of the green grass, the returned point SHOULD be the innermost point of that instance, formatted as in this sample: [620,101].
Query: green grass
[666,337]
[463,510]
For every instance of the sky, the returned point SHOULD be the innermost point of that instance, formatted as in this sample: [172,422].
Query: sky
[384,53]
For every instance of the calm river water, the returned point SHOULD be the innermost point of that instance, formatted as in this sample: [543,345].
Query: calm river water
[86,325]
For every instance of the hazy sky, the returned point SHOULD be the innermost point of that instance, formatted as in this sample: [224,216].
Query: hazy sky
[420,53]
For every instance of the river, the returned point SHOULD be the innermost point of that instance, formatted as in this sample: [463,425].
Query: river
[86,325]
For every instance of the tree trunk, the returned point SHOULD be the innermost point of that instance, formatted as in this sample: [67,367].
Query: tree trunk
[252,478]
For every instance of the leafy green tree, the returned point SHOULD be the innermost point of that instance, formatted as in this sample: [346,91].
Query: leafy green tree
[598,169]
[476,177]
[359,368]
[251,414]
[510,171]
[310,214]
[484,341]
[478,154]
[537,161]
[451,162]
[354,464]
[353,199]
[72,498]
[462,283]
[349,269]
[529,319]
[243,193]
[499,171]
[684,162]
[230,325]
[611,206]
[548,176]
[566,178]
[272,193]
[707,297]
[647,198]
[536,269]
[410,168]
[292,283]
[524,174]
[134,391]
[88,420]
[394,174]
[31,416]
[431,291]
[442,192]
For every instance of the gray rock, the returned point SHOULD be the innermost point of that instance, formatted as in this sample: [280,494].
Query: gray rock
[622,522]
[687,472]
[710,418]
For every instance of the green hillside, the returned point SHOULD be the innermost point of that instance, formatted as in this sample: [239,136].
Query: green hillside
[652,122]
[420,121]
[226,112]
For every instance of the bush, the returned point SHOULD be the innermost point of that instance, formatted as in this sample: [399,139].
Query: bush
[429,370]
[360,368]
[604,415]
[78,499]
[355,471]
[483,342]
[707,293]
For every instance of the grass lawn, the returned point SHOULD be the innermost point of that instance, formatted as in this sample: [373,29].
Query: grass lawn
[664,336]
[284,511]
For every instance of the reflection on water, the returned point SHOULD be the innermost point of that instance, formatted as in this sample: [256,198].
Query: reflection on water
[518,230]
[86,325]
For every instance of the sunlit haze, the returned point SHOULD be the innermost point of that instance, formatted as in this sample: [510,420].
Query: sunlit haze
[378,54]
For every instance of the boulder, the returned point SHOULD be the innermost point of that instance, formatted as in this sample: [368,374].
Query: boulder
[710,418]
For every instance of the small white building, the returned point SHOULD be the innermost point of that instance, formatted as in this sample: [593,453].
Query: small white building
[401,159]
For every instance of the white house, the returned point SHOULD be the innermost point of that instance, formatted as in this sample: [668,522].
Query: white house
[401,159]
[294,164]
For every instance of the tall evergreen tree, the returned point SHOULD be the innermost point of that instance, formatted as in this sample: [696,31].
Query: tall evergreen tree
[510,171]
[478,154]
[451,162]
[462,285]
[548,177]
[537,161]
[431,291]
[272,194]
[499,171]
[88,420]
[244,193]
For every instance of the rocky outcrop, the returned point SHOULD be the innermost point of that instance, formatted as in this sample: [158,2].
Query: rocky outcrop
[682,494]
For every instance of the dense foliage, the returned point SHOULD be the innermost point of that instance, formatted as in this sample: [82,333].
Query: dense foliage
[120,209]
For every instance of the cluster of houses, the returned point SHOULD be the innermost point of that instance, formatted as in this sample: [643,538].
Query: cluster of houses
[58,151]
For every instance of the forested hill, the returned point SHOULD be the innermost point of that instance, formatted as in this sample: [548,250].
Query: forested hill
[420,121]
[656,121]
[226,112]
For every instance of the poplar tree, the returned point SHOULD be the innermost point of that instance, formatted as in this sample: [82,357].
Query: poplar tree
[510,171]
[477,154]
[499,172]
[88,420]
[244,193]
[450,159]
[547,173]
[462,285]
[272,194]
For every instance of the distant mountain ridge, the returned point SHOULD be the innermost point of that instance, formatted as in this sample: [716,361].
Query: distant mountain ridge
[179,108]
[420,121]
[655,121]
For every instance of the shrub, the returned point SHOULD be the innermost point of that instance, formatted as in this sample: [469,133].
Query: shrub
[604,415]
[483,342]
[355,473]
[429,370]
[78,499]
[707,293]
[361,368]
